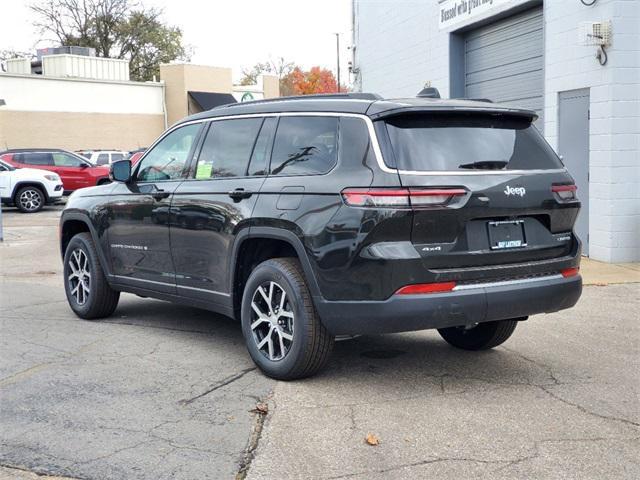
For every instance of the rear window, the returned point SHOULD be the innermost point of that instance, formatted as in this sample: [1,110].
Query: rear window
[35,158]
[103,159]
[468,142]
[305,146]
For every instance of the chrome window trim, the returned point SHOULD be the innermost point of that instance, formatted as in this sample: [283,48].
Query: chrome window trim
[506,283]
[482,172]
[374,141]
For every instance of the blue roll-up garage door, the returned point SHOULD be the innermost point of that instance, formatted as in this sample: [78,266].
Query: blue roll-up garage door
[504,61]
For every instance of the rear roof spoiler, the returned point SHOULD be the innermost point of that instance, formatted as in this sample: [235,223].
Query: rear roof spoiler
[491,109]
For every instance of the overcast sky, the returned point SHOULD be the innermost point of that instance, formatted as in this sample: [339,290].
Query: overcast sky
[229,33]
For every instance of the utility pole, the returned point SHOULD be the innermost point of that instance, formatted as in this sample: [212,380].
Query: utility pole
[338,58]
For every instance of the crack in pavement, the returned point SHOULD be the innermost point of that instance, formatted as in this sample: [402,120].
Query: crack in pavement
[536,447]
[222,383]
[254,438]
[583,409]
[36,368]
[39,474]
[418,464]
[507,463]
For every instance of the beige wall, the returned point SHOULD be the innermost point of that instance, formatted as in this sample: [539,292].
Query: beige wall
[271,86]
[77,130]
[182,78]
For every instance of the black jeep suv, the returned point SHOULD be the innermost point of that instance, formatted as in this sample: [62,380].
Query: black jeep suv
[307,218]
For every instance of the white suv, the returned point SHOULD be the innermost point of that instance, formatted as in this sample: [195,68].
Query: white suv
[104,157]
[29,189]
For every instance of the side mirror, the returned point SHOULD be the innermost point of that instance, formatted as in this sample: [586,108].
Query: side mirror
[84,165]
[120,171]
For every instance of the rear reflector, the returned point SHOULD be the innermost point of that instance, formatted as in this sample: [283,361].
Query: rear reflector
[565,192]
[570,272]
[399,197]
[419,288]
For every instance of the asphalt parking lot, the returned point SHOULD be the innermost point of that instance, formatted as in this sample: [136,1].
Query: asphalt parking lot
[161,391]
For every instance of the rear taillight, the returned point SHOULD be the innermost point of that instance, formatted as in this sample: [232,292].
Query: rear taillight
[420,288]
[564,192]
[400,197]
[570,272]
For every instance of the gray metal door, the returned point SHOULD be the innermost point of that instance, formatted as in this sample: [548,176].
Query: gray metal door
[504,61]
[573,145]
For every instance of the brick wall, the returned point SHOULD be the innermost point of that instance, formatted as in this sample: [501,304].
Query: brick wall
[614,128]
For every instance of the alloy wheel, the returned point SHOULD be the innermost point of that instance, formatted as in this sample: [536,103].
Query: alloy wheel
[80,277]
[30,200]
[272,321]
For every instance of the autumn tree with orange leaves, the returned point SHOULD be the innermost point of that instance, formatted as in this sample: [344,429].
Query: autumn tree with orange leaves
[316,80]
[294,80]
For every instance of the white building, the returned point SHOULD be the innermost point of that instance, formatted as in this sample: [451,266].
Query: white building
[83,102]
[535,54]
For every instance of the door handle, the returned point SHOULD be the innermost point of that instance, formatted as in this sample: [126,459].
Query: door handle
[160,195]
[239,194]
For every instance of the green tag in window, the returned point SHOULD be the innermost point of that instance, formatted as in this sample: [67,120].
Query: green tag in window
[203,170]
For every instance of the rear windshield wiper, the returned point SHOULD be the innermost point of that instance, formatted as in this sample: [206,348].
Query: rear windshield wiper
[485,165]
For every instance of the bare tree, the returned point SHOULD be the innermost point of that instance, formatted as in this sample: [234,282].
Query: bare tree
[114,28]
[278,67]
[9,54]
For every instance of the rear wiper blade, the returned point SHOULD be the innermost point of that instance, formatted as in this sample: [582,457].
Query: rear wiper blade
[485,165]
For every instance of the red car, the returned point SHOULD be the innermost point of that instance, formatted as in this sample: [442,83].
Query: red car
[75,171]
[137,155]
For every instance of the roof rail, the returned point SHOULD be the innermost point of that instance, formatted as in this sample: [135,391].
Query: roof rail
[346,96]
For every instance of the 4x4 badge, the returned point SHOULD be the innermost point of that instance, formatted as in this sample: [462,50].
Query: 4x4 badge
[515,191]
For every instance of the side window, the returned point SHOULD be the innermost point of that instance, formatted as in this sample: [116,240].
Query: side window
[116,157]
[103,159]
[260,157]
[167,159]
[305,146]
[35,158]
[64,160]
[227,148]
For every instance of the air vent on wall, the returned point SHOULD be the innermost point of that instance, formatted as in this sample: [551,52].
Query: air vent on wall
[595,33]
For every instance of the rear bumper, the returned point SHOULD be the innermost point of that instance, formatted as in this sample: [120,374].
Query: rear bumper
[467,304]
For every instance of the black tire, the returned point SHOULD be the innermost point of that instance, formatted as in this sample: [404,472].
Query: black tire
[481,337]
[311,343]
[101,300]
[29,199]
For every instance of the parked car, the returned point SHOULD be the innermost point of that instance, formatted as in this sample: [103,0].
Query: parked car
[306,218]
[27,188]
[104,157]
[76,172]
[136,155]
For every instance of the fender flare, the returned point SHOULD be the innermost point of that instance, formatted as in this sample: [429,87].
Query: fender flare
[276,234]
[36,183]
[84,218]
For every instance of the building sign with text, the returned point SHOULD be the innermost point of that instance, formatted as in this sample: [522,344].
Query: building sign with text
[455,12]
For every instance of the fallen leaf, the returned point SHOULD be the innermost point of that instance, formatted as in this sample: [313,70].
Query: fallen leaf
[261,409]
[371,439]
